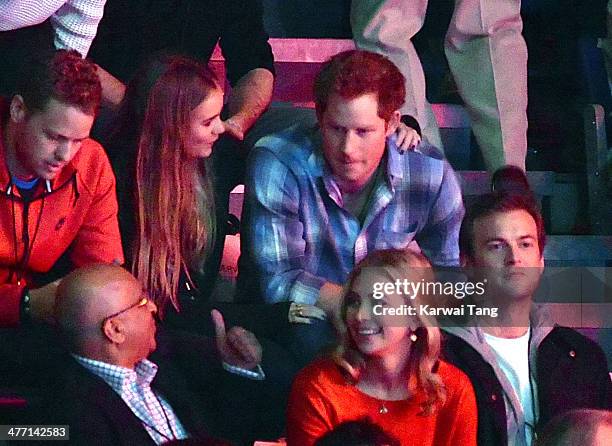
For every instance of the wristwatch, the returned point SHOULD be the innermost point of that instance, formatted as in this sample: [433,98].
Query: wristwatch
[24,306]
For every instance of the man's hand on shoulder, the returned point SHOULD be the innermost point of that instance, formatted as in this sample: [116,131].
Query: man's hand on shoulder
[407,138]
[237,347]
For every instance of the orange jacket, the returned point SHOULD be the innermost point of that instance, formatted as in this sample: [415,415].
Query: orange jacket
[76,212]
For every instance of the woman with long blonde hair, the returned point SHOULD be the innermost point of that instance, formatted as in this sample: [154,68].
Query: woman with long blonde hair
[160,150]
[175,199]
[387,364]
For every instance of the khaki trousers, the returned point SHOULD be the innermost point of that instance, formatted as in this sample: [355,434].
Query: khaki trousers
[487,56]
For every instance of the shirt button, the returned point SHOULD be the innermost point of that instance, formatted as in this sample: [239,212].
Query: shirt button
[572,354]
[493,397]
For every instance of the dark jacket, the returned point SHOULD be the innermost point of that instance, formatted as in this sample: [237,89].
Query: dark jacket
[570,371]
[97,414]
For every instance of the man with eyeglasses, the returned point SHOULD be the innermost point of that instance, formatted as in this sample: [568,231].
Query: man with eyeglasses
[109,390]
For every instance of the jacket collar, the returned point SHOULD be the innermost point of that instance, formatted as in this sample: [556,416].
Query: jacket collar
[541,325]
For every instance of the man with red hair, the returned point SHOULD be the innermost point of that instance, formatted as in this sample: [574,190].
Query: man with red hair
[57,189]
[317,200]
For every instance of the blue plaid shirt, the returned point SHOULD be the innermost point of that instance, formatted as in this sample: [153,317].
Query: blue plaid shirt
[134,388]
[297,235]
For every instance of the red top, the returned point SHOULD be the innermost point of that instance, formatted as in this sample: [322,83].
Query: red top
[77,215]
[322,398]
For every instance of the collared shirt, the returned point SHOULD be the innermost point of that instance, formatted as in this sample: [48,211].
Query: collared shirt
[134,388]
[297,233]
[75,21]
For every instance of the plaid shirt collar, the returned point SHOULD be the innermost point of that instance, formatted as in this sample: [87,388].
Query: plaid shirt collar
[319,167]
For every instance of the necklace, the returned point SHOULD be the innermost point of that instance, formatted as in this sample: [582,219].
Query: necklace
[383,409]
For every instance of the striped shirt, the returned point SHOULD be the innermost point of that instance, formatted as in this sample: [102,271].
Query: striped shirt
[134,388]
[297,233]
[75,21]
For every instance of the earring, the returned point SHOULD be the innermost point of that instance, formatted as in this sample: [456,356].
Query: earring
[413,337]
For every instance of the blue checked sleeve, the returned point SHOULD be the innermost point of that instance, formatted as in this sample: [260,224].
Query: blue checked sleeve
[439,239]
[274,231]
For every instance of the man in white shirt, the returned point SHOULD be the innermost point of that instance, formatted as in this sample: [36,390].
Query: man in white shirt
[524,368]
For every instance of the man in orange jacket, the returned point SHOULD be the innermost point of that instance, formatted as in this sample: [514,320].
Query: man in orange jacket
[57,189]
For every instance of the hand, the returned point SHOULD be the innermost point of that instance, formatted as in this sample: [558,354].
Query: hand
[304,313]
[113,90]
[237,347]
[407,138]
[42,302]
[234,129]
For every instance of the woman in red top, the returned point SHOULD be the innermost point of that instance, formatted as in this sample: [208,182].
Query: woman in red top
[387,366]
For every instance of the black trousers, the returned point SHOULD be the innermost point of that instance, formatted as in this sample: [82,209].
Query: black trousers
[16,50]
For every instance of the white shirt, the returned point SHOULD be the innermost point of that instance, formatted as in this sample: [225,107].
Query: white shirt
[75,21]
[513,359]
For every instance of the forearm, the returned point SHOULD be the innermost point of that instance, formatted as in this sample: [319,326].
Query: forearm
[113,89]
[250,97]
[40,304]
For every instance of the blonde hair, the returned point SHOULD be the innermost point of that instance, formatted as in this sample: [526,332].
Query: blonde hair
[424,352]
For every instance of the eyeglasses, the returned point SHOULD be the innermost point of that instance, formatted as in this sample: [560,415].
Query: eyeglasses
[144,300]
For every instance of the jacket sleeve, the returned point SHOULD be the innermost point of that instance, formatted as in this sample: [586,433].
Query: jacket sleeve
[98,239]
[274,234]
[10,299]
[75,24]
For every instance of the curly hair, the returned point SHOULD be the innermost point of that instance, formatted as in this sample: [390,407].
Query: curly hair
[356,72]
[62,75]
[424,352]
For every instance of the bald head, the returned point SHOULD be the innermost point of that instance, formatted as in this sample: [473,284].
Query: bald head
[89,294]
